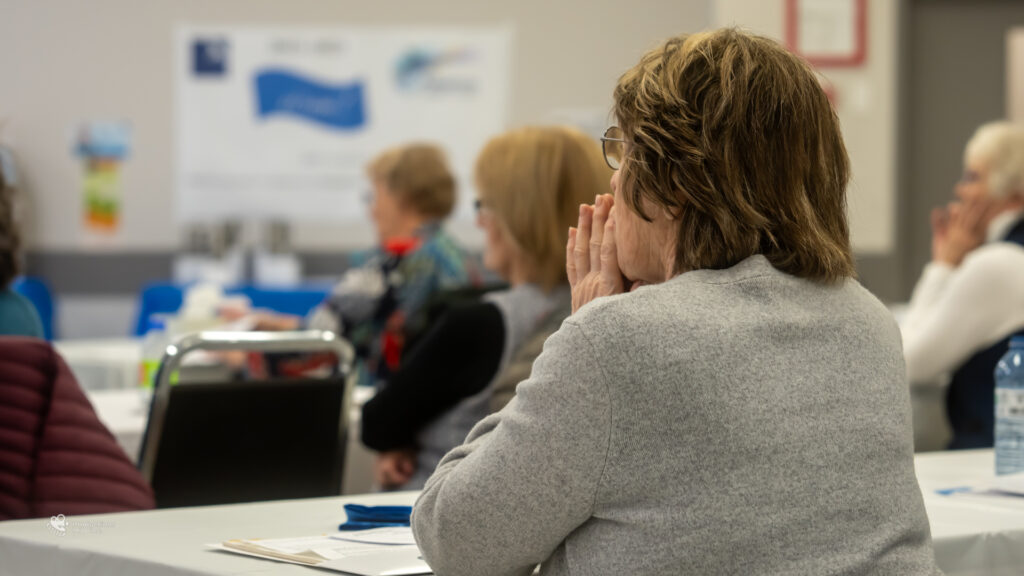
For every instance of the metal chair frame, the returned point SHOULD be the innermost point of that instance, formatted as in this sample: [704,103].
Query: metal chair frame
[299,341]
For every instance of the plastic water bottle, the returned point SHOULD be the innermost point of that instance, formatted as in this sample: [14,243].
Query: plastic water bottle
[1010,409]
[153,347]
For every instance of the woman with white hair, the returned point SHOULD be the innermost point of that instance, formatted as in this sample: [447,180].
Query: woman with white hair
[970,299]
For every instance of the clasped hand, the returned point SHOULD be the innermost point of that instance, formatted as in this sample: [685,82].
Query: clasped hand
[591,260]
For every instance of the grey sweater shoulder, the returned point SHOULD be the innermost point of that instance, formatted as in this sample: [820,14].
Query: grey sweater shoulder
[737,421]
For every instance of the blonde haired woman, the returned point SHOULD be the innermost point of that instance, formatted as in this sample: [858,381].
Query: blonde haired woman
[969,301]
[743,411]
[530,184]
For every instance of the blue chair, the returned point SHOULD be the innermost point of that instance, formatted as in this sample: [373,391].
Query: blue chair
[157,298]
[298,301]
[39,294]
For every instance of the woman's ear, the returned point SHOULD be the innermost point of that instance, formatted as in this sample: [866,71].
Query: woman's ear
[672,213]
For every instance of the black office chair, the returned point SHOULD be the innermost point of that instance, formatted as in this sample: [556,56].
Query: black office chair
[246,441]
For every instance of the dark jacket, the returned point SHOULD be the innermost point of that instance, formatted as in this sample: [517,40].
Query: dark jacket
[970,398]
[55,455]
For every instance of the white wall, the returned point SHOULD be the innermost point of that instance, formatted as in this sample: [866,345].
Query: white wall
[867,100]
[64,61]
[1015,74]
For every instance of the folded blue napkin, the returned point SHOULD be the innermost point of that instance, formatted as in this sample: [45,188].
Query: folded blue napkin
[364,517]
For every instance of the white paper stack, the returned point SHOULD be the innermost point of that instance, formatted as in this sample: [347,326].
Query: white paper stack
[377,552]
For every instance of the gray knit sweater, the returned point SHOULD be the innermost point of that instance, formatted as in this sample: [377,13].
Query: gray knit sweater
[736,421]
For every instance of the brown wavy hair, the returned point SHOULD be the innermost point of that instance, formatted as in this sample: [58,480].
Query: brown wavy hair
[734,137]
[10,239]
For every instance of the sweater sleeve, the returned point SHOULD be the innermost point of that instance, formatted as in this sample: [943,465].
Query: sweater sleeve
[928,290]
[454,360]
[527,476]
[968,314]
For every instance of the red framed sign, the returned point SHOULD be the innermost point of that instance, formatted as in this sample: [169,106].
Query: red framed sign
[828,32]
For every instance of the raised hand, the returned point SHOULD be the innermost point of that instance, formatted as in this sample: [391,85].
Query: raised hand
[960,228]
[591,261]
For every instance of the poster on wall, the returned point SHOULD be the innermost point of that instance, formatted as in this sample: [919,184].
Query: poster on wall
[828,33]
[280,122]
[102,146]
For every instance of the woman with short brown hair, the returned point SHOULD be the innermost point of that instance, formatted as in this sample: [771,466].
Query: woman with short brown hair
[416,177]
[376,304]
[743,408]
[742,148]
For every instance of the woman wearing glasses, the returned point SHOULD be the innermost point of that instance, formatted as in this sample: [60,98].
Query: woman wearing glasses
[744,409]
[530,184]
[969,301]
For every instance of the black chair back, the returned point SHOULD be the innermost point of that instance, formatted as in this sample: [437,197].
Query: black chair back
[246,441]
[251,441]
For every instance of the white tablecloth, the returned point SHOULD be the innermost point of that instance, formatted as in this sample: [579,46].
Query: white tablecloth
[103,364]
[973,535]
[124,413]
[171,542]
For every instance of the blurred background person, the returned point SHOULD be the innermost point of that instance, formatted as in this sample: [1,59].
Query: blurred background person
[530,183]
[376,301]
[18,317]
[969,300]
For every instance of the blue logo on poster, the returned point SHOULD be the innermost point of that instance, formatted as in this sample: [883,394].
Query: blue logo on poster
[413,66]
[434,71]
[210,57]
[339,106]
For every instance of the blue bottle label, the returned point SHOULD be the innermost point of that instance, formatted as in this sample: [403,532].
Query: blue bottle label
[1009,397]
[1010,403]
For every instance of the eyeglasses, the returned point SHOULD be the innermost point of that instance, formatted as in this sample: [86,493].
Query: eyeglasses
[614,147]
[970,177]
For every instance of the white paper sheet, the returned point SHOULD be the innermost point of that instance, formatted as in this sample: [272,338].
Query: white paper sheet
[391,561]
[372,560]
[387,536]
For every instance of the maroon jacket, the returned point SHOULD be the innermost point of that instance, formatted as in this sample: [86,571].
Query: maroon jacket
[55,455]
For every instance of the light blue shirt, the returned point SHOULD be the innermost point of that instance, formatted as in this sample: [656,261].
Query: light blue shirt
[17,316]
